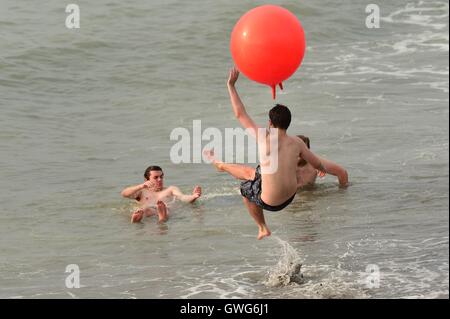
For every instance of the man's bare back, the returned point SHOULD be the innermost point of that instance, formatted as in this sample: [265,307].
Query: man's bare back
[282,184]
[275,188]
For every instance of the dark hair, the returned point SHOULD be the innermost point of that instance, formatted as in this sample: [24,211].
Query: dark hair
[305,139]
[280,116]
[149,169]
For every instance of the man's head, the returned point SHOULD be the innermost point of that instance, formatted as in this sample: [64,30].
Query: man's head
[155,175]
[280,117]
[301,161]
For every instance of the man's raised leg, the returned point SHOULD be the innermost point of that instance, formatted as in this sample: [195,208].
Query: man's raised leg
[242,172]
[257,213]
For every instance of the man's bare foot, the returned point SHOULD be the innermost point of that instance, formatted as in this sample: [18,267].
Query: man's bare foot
[162,211]
[137,216]
[263,232]
[209,154]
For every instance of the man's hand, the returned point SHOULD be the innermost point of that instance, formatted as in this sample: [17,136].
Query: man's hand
[238,107]
[147,184]
[197,192]
[336,170]
[134,192]
[233,76]
[321,174]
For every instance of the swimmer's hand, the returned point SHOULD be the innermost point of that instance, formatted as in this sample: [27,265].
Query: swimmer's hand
[197,192]
[233,76]
[147,184]
[321,174]
[344,185]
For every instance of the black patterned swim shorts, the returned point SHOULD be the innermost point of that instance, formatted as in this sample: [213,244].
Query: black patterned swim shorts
[251,189]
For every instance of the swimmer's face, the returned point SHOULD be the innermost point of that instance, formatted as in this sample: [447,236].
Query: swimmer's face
[156,178]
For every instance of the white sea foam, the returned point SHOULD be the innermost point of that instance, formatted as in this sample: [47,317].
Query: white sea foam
[416,14]
[403,274]
[215,284]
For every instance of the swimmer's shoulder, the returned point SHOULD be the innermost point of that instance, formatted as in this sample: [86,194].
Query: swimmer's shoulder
[296,142]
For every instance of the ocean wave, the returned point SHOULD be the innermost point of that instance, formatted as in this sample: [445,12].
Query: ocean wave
[413,274]
[417,14]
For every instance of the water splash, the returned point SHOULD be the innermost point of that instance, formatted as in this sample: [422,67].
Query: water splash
[288,268]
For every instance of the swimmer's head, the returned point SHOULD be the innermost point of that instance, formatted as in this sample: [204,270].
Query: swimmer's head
[301,161]
[280,117]
[155,175]
[305,139]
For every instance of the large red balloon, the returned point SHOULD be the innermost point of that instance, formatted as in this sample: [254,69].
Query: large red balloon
[268,45]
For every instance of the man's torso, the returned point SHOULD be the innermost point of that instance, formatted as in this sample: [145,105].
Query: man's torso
[281,185]
[149,198]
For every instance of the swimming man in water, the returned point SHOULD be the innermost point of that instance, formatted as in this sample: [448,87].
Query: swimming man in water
[153,197]
[307,174]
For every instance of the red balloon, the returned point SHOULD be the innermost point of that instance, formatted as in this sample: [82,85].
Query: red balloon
[268,44]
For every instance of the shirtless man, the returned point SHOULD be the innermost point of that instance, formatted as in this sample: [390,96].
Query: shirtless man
[307,174]
[276,190]
[152,193]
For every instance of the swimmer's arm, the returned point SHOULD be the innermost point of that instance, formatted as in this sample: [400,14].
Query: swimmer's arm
[310,157]
[186,198]
[238,107]
[336,170]
[133,192]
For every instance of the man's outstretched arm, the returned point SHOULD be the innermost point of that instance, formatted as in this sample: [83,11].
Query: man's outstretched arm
[197,192]
[310,157]
[324,165]
[133,192]
[336,170]
[238,106]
